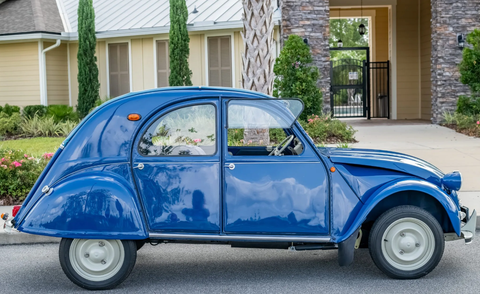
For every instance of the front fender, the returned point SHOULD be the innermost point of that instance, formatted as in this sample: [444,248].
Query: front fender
[411,184]
[90,205]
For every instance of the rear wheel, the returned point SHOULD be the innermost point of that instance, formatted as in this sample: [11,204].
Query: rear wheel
[97,264]
[406,242]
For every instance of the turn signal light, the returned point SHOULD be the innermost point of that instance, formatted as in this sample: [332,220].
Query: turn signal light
[15,210]
[333,169]
[134,116]
[4,216]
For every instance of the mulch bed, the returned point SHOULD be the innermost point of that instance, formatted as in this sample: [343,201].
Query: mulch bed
[8,200]
[472,132]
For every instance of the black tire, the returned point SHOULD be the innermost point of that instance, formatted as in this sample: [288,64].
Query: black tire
[140,243]
[403,227]
[76,273]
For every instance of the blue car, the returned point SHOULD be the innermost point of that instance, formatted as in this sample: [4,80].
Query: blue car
[195,164]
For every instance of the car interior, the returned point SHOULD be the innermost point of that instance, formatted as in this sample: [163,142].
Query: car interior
[291,145]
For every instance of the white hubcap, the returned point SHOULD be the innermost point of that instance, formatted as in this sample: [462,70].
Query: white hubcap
[408,244]
[96,260]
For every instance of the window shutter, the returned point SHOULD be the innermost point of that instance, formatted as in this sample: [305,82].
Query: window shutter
[219,61]
[163,64]
[119,69]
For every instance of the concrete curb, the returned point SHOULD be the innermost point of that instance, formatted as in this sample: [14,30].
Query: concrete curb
[17,238]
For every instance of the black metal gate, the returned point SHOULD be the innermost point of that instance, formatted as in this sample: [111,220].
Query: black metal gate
[359,88]
[349,85]
[379,80]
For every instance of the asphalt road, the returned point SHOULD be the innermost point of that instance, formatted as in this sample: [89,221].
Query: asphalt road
[179,268]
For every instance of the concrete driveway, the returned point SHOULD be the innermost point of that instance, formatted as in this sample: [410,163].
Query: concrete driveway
[441,146]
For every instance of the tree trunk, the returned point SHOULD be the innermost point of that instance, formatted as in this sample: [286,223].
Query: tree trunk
[257,59]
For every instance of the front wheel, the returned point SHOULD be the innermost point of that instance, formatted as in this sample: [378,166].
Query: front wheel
[406,242]
[97,264]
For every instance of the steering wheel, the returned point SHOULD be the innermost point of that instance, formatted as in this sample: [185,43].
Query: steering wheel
[281,147]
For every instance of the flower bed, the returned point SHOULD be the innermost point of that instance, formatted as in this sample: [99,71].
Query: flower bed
[18,173]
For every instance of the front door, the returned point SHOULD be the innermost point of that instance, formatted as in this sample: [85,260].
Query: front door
[176,164]
[286,193]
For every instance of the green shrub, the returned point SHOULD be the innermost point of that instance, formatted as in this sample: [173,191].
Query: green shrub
[9,124]
[48,127]
[66,127]
[470,65]
[9,109]
[62,113]
[296,77]
[18,173]
[324,128]
[468,105]
[32,110]
[465,121]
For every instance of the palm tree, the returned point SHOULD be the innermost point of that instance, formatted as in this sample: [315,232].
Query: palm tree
[257,58]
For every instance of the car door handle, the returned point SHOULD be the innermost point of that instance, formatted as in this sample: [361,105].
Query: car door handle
[230,166]
[140,166]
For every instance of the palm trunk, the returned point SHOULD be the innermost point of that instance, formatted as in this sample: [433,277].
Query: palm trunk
[257,59]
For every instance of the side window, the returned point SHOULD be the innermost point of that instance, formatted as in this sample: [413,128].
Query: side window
[188,131]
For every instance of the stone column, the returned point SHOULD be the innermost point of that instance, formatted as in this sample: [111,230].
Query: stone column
[310,19]
[449,18]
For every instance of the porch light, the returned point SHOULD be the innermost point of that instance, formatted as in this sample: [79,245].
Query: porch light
[361,29]
[461,40]
[339,43]
[195,9]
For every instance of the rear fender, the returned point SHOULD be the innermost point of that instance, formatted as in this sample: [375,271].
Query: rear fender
[411,184]
[90,205]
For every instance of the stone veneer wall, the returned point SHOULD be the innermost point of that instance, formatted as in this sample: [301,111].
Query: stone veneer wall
[310,19]
[449,18]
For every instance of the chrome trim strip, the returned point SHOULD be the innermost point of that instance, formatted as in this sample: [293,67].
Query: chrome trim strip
[239,238]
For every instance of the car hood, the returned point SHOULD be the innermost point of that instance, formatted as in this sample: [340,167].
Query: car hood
[386,160]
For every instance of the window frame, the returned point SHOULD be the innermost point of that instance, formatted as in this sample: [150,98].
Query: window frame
[107,61]
[231,34]
[170,111]
[155,54]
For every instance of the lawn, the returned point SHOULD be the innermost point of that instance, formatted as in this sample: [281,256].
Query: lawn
[34,146]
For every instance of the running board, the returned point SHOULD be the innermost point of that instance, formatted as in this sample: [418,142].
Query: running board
[256,238]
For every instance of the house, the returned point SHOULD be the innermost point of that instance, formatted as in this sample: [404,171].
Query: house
[414,50]
[39,46]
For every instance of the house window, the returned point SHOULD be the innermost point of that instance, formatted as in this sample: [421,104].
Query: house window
[219,61]
[119,69]
[163,64]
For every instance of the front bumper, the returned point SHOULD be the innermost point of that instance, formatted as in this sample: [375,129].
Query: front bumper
[467,231]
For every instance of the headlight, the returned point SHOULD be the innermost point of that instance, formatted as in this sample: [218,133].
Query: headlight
[453,181]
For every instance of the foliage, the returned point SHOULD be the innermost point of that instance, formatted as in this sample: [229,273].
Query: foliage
[65,128]
[470,65]
[18,172]
[346,29]
[31,110]
[88,85]
[448,117]
[325,129]
[180,74]
[9,125]
[343,145]
[62,113]
[33,146]
[296,77]
[236,138]
[9,109]
[45,127]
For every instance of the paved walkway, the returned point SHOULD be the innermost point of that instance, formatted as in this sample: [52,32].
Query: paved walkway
[441,146]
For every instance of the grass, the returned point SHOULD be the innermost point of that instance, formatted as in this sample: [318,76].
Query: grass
[34,146]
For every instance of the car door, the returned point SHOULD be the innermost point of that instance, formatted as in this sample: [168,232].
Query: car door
[265,194]
[176,165]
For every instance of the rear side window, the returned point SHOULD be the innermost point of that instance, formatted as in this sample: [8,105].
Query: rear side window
[188,131]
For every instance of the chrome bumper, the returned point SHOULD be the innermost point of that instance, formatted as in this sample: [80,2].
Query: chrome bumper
[467,231]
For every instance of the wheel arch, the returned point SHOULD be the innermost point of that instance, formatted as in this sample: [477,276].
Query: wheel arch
[414,192]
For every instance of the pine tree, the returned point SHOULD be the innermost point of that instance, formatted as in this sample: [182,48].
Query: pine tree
[180,73]
[88,85]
